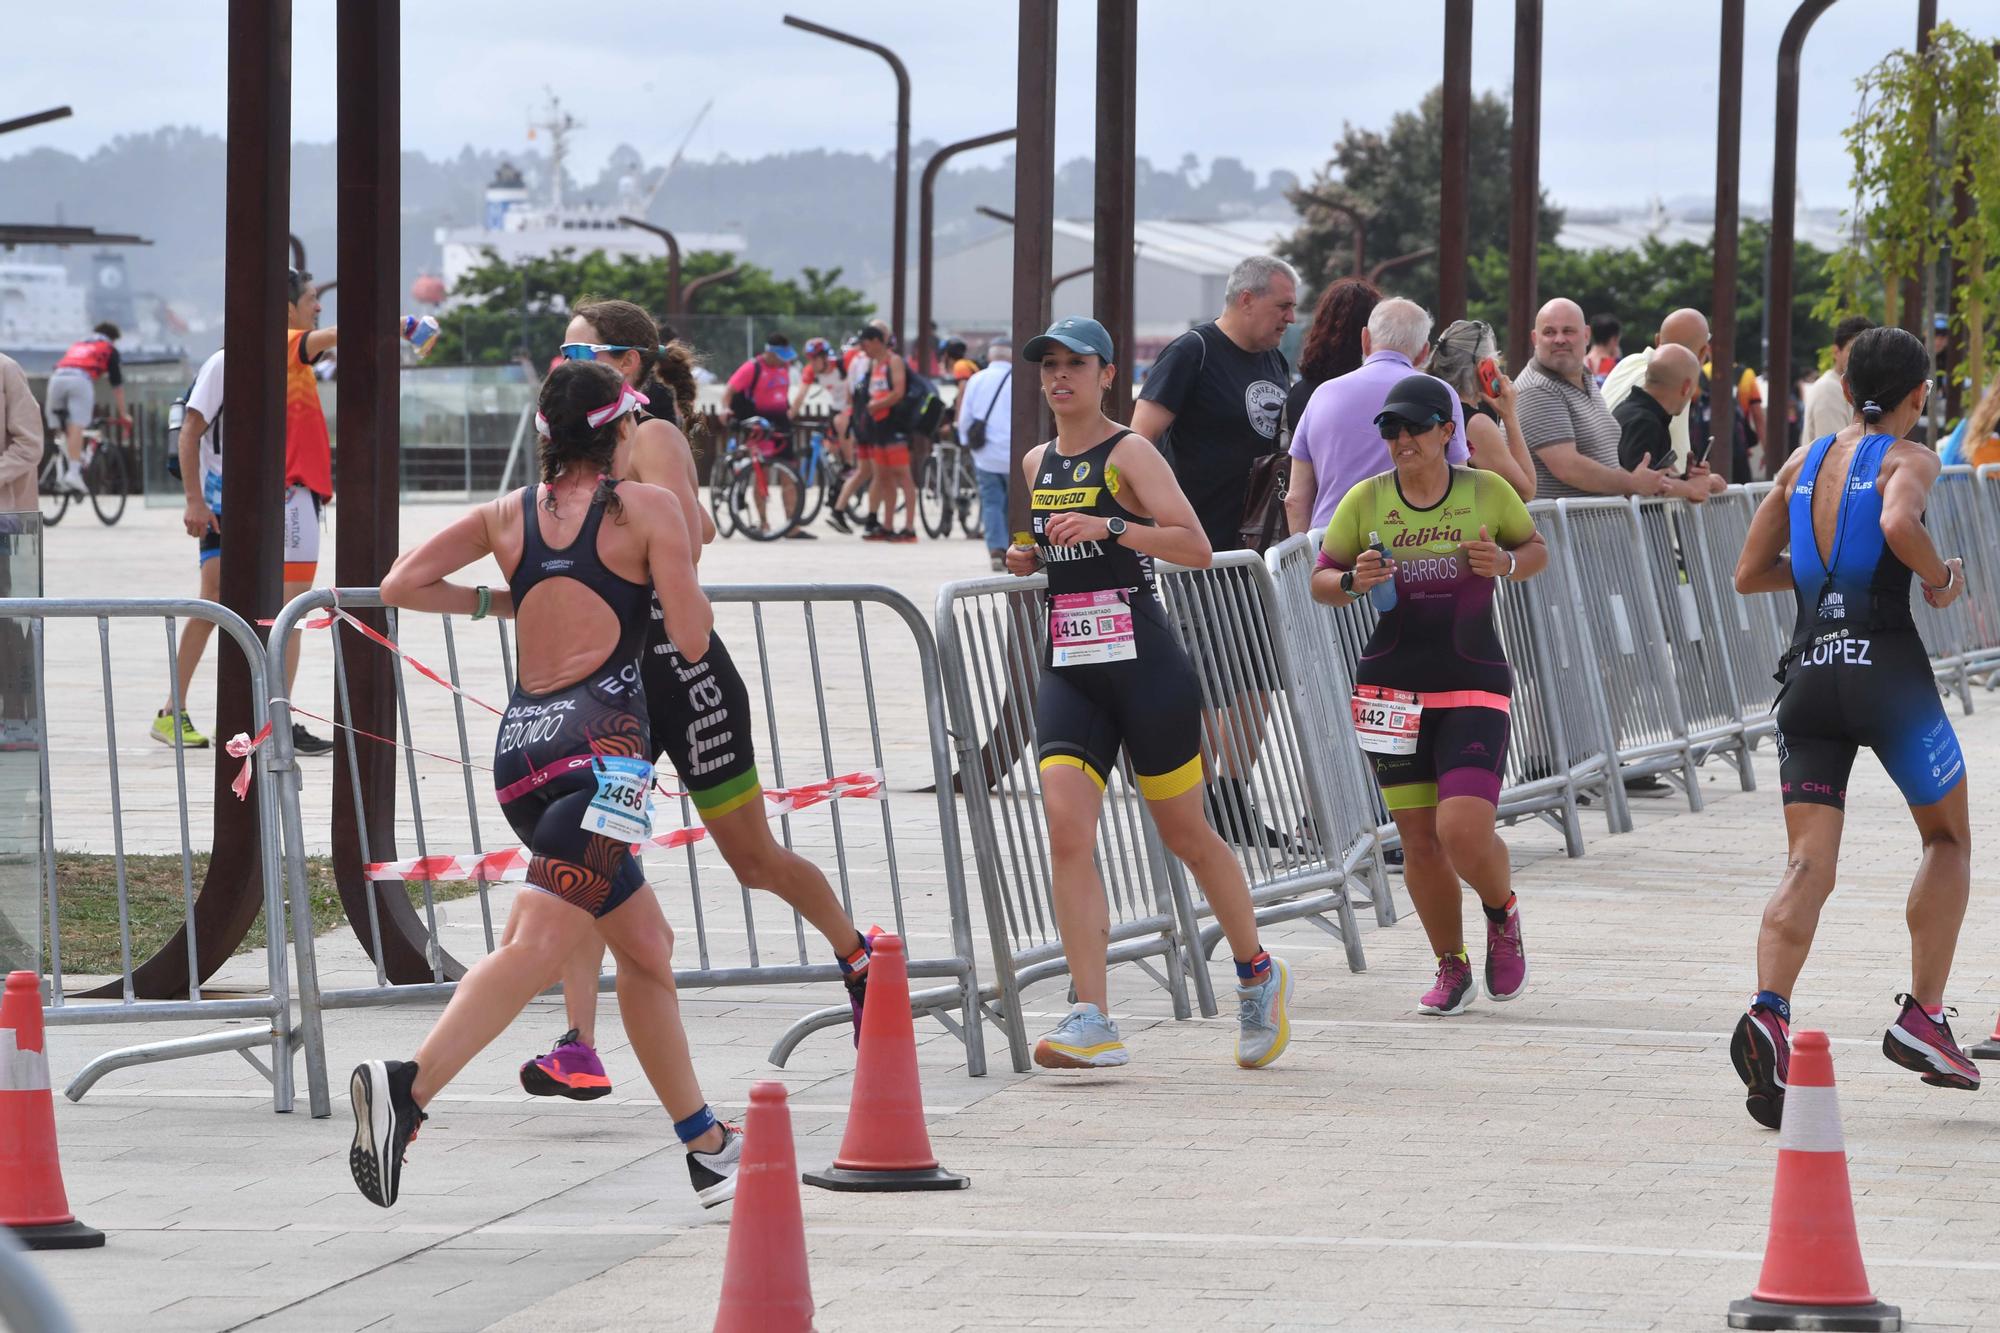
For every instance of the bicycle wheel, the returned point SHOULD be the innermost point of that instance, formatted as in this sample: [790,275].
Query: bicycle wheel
[934,502]
[720,479]
[106,476]
[812,494]
[757,501]
[53,499]
[971,515]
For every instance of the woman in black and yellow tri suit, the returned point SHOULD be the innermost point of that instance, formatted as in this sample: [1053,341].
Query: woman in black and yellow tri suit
[1104,505]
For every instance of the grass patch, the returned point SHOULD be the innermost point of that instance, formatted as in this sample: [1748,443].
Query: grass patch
[155,893]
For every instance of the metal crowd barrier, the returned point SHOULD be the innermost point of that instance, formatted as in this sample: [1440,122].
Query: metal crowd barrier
[1962,638]
[828,708]
[73,800]
[1753,631]
[989,636]
[28,1304]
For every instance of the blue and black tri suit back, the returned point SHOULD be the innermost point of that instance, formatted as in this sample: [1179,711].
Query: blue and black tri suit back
[546,759]
[1857,673]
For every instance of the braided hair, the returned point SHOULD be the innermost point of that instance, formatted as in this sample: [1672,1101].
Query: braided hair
[572,391]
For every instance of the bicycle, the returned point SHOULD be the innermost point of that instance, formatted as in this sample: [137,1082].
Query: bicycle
[103,478]
[816,471]
[949,488]
[754,469]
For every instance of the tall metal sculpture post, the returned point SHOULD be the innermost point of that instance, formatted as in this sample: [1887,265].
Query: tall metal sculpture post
[1525,203]
[926,221]
[1117,152]
[1722,309]
[1455,184]
[1034,225]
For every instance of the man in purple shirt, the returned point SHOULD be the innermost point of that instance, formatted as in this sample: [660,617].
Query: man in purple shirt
[1337,442]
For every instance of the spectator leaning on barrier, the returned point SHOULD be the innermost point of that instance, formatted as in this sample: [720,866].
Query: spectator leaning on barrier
[1570,431]
[1644,415]
[1687,439]
[986,427]
[1493,440]
[1826,407]
[1337,443]
[1212,403]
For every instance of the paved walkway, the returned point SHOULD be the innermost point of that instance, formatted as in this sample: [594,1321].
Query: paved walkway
[1578,1159]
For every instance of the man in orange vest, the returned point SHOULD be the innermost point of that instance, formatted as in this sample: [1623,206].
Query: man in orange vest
[73,396]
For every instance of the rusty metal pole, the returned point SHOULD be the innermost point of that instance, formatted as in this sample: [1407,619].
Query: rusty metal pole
[1722,313]
[1034,228]
[1112,229]
[902,224]
[367,475]
[1455,184]
[257,196]
[673,307]
[926,220]
[1915,317]
[1785,185]
[1525,204]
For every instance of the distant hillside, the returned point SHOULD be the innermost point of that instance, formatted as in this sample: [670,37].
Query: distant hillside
[820,208]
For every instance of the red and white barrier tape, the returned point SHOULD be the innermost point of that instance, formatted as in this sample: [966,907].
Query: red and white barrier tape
[512,863]
[241,746]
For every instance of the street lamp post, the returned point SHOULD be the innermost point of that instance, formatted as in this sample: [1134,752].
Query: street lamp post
[673,261]
[926,187]
[902,224]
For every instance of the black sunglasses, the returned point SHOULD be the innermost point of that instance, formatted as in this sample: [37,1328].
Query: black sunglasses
[1394,427]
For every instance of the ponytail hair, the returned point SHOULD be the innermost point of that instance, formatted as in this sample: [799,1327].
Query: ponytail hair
[672,370]
[1885,366]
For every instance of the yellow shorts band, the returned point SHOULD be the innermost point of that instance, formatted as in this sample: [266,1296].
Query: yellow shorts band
[1071,761]
[1166,786]
[1411,796]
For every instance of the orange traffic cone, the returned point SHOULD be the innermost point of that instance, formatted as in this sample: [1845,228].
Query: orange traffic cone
[886,1146]
[1813,1277]
[765,1285]
[32,1202]
[1990,1048]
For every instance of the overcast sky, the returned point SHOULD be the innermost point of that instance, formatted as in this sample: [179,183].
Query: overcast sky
[1628,93]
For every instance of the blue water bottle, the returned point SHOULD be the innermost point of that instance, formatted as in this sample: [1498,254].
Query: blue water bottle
[1383,595]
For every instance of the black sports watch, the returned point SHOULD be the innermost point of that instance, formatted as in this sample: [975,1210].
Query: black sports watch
[1347,583]
[1116,527]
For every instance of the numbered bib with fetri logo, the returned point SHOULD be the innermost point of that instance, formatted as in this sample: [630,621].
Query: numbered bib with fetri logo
[1386,721]
[621,808]
[1086,628]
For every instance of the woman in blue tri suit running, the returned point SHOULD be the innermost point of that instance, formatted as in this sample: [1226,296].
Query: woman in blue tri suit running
[1851,510]
[1104,506]
[583,557]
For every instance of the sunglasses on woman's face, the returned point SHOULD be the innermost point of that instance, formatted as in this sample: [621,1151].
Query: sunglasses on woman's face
[1394,428]
[591,351]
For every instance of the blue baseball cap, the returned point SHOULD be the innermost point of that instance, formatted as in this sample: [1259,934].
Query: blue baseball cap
[1078,334]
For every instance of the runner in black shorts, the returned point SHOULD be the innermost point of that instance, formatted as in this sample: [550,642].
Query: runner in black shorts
[569,764]
[1850,508]
[699,712]
[1105,504]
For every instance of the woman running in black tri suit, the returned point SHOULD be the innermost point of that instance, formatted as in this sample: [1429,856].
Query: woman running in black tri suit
[582,557]
[1851,509]
[1105,503]
[700,711]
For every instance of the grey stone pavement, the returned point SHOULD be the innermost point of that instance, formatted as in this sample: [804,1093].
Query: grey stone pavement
[1576,1159]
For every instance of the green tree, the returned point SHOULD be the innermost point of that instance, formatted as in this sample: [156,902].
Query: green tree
[1926,152]
[1391,179]
[501,311]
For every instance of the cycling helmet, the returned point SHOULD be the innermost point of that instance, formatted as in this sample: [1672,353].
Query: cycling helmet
[818,347]
[757,426]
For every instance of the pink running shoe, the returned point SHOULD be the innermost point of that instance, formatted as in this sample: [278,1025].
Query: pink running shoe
[571,1070]
[1917,1043]
[1761,1050]
[1506,956]
[1454,990]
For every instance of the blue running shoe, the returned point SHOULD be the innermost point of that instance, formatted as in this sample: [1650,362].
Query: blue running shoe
[1085,1039]
[1263,1029]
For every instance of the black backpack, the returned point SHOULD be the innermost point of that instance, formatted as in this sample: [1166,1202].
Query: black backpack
[920,411]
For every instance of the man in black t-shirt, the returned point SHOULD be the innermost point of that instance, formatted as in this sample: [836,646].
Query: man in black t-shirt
[1214,397]
[1212,404]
